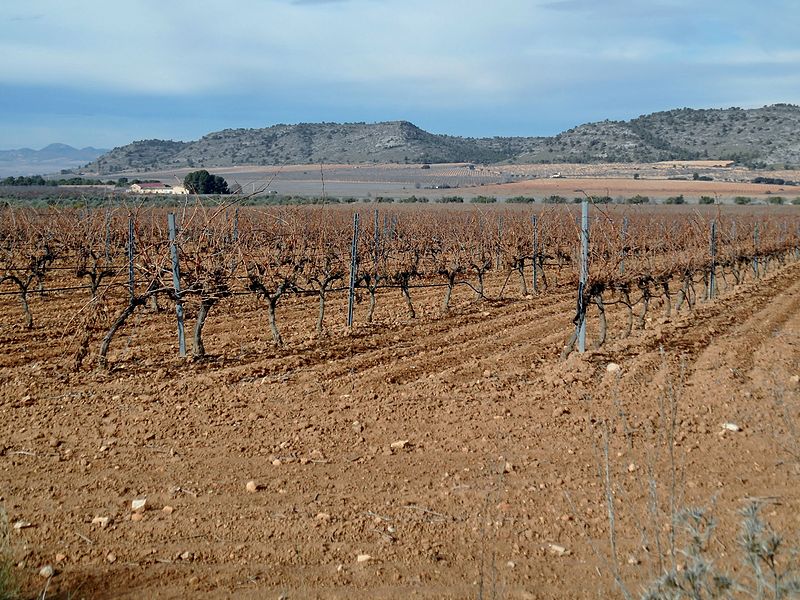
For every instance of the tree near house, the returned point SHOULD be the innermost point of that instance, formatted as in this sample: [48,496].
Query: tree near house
[203,182]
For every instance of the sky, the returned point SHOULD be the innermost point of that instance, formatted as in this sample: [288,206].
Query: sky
[105,73]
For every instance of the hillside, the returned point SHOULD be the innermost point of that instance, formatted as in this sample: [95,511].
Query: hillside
[764,136]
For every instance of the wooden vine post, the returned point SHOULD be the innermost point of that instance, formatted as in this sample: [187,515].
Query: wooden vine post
[755,251]
[624,237]
[353,271]
[534,224]
[176,282]
[131,252]
[712,273]
[581,325]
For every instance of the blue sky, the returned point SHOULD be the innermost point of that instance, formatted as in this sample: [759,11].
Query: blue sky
[104,73]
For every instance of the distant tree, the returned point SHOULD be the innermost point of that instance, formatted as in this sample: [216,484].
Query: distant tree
[203,182]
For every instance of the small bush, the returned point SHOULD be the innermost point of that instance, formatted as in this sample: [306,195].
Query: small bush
[638,199]
[555,200]
[777,200]
[675,200]
[771,575]
[743,200]
[706,200]
[796,201]
[483,199]
[9,590]
[521,200]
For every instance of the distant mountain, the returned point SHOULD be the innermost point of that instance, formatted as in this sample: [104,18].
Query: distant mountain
[397,141]
[757,137]
[50,159]
[764,136]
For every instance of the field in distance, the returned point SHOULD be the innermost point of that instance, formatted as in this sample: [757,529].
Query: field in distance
[692,179]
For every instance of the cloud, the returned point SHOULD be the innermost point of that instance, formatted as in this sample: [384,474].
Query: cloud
[492,67]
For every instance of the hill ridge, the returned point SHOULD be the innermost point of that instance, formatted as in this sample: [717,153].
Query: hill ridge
[757,137]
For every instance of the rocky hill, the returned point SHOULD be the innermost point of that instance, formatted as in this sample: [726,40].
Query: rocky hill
[764,136]
[759,137]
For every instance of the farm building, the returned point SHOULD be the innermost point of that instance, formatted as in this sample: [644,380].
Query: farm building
[157,188]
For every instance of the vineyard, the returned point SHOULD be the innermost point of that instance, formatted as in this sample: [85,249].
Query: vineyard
[390,401]
[194,264]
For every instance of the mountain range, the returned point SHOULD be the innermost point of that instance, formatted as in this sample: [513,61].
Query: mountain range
[50,159]
[761,137]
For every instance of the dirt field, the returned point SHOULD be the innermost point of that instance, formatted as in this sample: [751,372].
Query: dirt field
[495,489]
[653,188]
[656,180]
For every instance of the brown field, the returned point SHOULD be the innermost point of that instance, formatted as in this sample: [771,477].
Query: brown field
[654,188]
[504,181]
[497,489]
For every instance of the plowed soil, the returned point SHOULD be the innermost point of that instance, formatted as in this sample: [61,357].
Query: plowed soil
[458,452]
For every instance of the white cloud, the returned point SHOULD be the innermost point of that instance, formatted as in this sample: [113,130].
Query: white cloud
[584,58]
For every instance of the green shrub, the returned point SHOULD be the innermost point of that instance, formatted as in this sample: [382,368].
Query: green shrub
[770,573]
[777,200]
[743,200]
[521,200]
[483,199]
[555,200]
[675,200]
[638,199]
[9,590]
[706,200]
